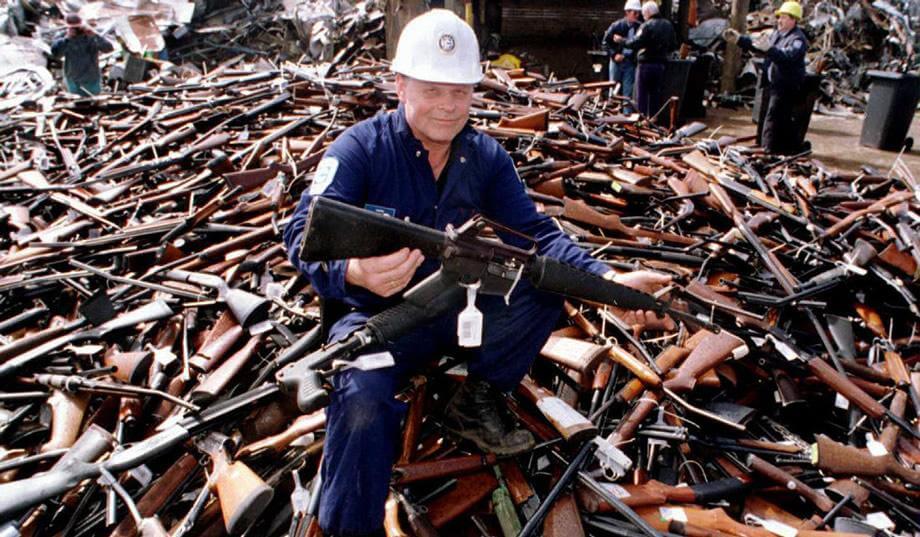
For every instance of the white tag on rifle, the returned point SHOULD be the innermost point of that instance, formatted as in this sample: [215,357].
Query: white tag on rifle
[369,362]
[469,322]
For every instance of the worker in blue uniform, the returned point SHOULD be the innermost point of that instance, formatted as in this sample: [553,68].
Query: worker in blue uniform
[80,48]
[424,163]
[782,77]
[623,59]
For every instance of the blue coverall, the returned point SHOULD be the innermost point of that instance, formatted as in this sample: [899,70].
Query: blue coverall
[81,61]
[783,74]
[624,71]
[379,164]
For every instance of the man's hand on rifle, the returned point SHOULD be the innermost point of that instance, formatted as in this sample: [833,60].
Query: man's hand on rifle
[647,282]
[385,275]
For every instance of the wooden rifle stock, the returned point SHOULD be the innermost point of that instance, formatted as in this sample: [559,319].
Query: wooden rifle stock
[210,387]
[564,519]
[571,425]
[391,525]
[845,387]
[786,480]
[159,493]
[215,348]
[419,521]
[405,473]
[707,519]
[889,436]
[67,410]
[626,429]
[614,352]
[575,354]
[469,490]
[304,424]
[243,495]
[130,367]
[713,350]
[836,458]
[667,360]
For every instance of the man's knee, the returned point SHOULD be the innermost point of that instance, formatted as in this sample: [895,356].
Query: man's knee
[364,401]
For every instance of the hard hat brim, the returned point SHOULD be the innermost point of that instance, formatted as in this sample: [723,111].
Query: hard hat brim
[438,78]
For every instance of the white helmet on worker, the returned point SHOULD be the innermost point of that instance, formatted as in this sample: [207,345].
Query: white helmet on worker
[633,5]
[438,46]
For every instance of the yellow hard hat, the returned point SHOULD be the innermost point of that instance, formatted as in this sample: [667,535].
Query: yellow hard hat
[793,9]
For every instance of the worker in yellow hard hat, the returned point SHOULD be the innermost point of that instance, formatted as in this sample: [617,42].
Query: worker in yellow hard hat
[783,74]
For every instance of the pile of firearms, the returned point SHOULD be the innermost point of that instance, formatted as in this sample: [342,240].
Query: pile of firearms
[146,305]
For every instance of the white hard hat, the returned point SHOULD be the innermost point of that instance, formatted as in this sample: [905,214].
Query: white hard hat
[650,8]
[633,5]
[438,46]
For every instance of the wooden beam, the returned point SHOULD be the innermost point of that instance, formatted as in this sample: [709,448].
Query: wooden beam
[731,64]
[400,12]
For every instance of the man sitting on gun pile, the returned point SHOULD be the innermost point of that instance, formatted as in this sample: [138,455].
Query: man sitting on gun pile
[423,163]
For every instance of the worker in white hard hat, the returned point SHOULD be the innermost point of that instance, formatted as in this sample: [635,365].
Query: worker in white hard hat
[654,41]
[622,58]
[782,76]
[424,163]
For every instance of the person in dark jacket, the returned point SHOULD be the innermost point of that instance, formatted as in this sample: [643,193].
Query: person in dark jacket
[653,42]
[80,49]
[623,59]
[783,74]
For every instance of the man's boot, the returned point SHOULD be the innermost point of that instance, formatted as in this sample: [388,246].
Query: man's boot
[475,413]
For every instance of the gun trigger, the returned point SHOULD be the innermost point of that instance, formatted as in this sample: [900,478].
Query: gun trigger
[614,462]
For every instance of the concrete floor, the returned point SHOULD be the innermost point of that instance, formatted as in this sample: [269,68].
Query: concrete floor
[834,140]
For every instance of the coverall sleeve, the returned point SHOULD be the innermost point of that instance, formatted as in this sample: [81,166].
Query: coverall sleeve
[638,41]
[342,175]
[506,202]
[104,44]
[745,42]
[607,43]
[58,46]
[791,54]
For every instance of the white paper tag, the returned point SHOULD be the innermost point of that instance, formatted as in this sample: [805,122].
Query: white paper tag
[673,513]
[560,413]
[841,402]
[616,490]
[568,346]
[785,350]
[369,362]
[469,322]
[876,448]
[880,520]
[777,527]
[740,352]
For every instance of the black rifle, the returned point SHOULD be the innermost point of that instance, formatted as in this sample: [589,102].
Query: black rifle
[336,230]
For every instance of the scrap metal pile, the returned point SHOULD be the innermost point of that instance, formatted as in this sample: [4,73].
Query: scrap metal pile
[146,305]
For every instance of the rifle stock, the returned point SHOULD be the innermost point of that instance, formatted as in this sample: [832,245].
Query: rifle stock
[67,410]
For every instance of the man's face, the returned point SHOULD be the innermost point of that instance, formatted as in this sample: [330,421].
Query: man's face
[785,22]
[436,112]
[632,15]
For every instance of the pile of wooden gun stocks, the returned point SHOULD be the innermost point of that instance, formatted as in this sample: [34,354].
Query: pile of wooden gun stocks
[143,286]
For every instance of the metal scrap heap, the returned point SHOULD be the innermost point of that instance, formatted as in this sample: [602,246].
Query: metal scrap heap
[147,304]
